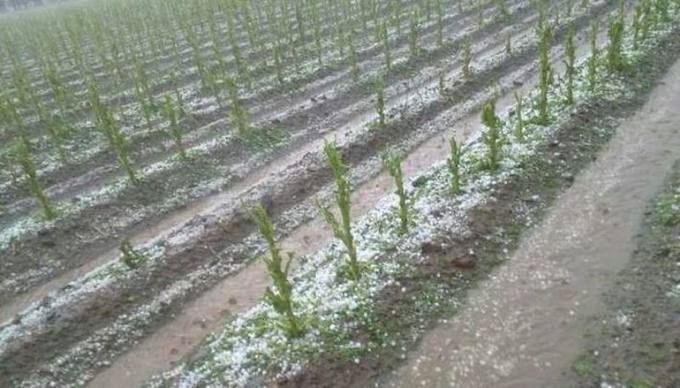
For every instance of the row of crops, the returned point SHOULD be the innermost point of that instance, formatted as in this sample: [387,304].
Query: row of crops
[115,114]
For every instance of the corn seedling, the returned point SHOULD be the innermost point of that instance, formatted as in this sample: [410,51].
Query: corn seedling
[466,57]
[353,56]
[279,296]
[594,54]
[131,257]
[393,164]
[453,165]
[171,114]
[442,82]
[239,114]
[545,71]
[440,23]
[519,124]
[107,125]
[25,160]
[508,45]
[637,24]
[380,99]
[493,138]
[341,229]
[384,36]
[570,66]
[413,34]
[615,49]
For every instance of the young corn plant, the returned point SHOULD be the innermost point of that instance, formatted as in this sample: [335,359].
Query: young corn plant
[453,165]
[353,56]
[615,60]
[594,54]
[466,57]
[25,159]
[380,99]
[413,33]
[129,256]
[341,229]
[545,71]
[384,36]
[393,163]
[519,124]
[175,131]
[440,23]
[280,296]
[570,66]
[637,24]
[493,138]
[239,114]
[106,123]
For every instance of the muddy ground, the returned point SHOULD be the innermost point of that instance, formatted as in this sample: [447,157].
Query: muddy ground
[635,342]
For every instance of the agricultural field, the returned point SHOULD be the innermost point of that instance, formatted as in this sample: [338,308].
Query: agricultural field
[328,193]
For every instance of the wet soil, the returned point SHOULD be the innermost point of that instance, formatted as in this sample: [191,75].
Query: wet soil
[635,340]
[496,228]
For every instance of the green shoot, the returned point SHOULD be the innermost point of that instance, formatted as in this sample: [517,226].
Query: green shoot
[25,160]
[519,125]
[175,130]
[380,100]
[453,165]
[493,138]
[466,57]
[545,70]
[393,164]
[131,257]
[280,296]
[341,229]
[570,65]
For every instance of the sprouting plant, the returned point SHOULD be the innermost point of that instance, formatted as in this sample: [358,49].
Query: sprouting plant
[393,164]
[384,36]
[493,138]
[453,165]
[637,24]
[570,66]
[466,57]
[171,115]
[380,99]
[442,82]
[353,56]
[106,123]
[545,34]
[239,114]
[440,23]
[615,48]
[25,159]
[594,53]
[131,257]
[341,229]
[413,34]
[280,296]
[519,124]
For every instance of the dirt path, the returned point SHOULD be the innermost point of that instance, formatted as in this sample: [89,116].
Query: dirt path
[525,324]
